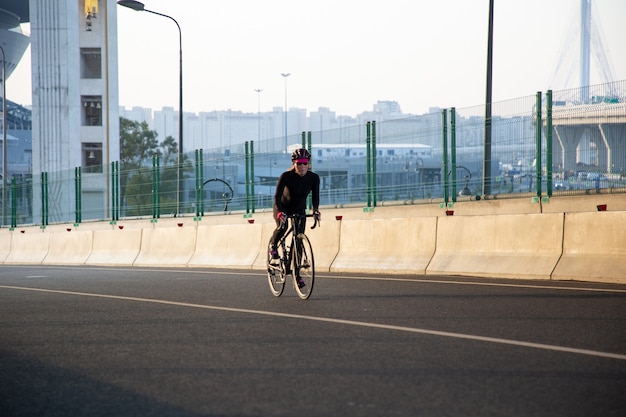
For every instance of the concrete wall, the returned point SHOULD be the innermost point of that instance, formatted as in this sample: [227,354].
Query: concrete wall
[226,246]
[391,246]
[594,247]
[5,244]
[69,248]
[509,246]
[517,240]
[116,247]
[166,246]
[28,246]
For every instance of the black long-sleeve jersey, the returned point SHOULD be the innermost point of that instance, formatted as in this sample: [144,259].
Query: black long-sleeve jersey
[292,190]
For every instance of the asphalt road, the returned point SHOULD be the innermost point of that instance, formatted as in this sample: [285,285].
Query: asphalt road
[80,341]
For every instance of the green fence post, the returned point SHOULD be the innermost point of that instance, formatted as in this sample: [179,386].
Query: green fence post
[247,160]
[44,199]
[197,186]
[549,143]
[374,170]
[252,198]
[444,124]
[538,126]
[368,166]
[308,146]
[13,203]
[115,192]
[78,192]
[453,151]
[154,189]
[201,183]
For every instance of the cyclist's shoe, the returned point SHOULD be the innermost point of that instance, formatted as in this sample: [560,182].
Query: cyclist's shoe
[274,258]
[301,283]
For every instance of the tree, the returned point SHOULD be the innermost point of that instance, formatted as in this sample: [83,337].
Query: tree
[139,145]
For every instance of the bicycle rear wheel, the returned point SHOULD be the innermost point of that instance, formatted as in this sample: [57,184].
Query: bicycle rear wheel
[276,271]
[303,267]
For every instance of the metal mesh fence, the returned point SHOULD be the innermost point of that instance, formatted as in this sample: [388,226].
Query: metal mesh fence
[414,160]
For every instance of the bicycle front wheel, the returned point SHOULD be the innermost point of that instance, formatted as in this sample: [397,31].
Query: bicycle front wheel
[303,271]
[276,271]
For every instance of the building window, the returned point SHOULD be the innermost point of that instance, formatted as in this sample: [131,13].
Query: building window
[90,63]
[92,110]
[92,157]
[91,13]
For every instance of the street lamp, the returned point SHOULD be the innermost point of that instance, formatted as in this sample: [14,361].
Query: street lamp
[138,6]
[285,75]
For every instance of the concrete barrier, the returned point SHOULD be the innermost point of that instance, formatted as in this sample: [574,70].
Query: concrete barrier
[5,244]
[495,206]
[227,246]
[28,246]
[325,239]
[266,233]
[508,246]
[560,243]
[390,246]
[594,247]
[166,246]
[69,247]
[115,247]
[585,203]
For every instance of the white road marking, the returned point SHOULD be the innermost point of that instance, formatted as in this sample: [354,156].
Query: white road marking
[338,321]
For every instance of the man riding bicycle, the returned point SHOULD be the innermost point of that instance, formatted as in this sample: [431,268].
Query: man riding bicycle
[294,185]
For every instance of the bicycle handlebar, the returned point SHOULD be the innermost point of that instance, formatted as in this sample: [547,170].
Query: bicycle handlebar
[315,224]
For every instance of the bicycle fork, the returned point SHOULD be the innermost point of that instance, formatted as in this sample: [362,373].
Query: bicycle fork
[286,256]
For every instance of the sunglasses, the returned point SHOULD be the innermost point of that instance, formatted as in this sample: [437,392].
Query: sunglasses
[302,163]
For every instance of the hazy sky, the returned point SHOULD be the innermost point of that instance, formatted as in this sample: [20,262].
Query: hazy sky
[346,54]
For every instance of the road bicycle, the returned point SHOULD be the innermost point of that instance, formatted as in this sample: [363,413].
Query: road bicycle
[298,263]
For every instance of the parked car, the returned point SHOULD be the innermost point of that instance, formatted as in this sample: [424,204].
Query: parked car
[592,176]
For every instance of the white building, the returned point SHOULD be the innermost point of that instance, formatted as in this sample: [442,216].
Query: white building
[75,102]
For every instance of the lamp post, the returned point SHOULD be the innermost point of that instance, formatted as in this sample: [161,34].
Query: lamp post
[4,135]
[285,75]
[138,6]
[258,112]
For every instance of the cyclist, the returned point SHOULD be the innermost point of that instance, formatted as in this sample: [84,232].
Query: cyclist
[294,185]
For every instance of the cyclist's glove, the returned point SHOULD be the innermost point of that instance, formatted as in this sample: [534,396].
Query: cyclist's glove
[281,217]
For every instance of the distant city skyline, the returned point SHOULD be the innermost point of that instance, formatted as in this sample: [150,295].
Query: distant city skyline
[347,56]
[225,128]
